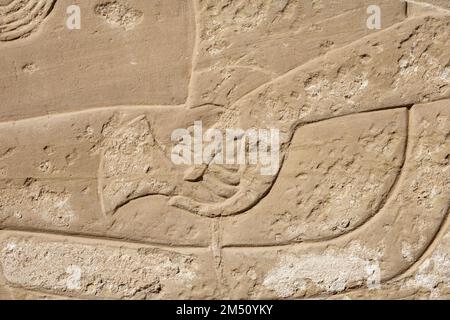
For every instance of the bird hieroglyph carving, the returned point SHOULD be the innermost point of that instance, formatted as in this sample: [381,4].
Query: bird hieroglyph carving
[360,196]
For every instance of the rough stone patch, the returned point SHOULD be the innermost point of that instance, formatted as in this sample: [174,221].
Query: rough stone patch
[96,270]
[119,14]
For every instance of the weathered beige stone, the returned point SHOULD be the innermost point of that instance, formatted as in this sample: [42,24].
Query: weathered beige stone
[92,205]
[338,173]
[76,267]
[100,65]
[242,45]
[381,249]
[59,174]
[438,4]
[345,81]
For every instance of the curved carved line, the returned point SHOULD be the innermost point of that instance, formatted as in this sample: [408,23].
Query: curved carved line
[14,25]
[391,192]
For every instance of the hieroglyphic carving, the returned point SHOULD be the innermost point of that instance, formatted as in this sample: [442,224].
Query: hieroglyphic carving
[348,85]
[112,177]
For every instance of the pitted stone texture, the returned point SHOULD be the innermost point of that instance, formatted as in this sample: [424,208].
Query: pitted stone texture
[438,3]
[402,65]
[91,205]
[243,44]
[345,81]
[65,267]
[76,161]
[382,248]
[337,174]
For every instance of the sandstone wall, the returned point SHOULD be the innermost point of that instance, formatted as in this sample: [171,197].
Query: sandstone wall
[93,206]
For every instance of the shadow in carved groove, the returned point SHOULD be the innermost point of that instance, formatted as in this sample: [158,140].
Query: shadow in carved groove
[19,19]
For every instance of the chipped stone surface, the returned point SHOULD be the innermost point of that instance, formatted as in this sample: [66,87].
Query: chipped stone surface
[413,217]
[102,270]
[119,14]
[320,200]
[92,206]
[22,18]
[99,65]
